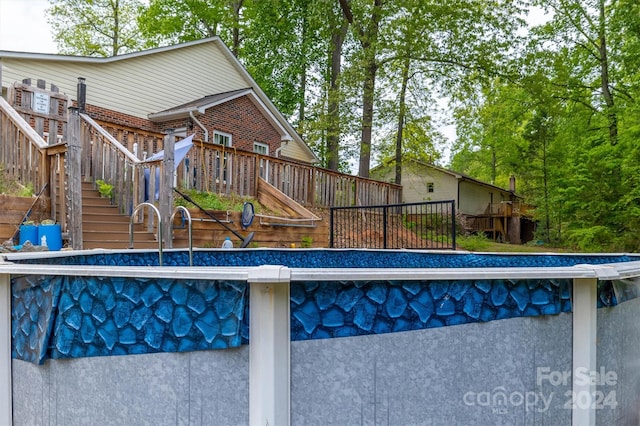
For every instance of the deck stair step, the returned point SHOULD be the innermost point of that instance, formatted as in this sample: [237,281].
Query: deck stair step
[103,226]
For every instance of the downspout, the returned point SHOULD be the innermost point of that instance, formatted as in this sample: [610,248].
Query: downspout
[204,129]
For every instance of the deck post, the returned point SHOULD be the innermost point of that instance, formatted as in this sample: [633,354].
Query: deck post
[269,346]
[166,187]
[74,163]
[584,350]
[6,406]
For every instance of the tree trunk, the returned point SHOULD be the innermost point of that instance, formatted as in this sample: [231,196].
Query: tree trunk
[368,37]
[401,118]
[237,7]
[612,117]
[333,103]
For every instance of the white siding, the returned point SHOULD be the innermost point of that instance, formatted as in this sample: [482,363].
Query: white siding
[138,85]
[415,185]
[475,199]
[297,152]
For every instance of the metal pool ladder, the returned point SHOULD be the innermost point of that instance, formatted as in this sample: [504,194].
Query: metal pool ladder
[157,212]
[188,215]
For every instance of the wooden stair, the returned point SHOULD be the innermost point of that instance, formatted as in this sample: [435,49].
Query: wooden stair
[103,226]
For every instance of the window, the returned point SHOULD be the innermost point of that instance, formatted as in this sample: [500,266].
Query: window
[222,138]
[222,169]
[263,149]
[429,186]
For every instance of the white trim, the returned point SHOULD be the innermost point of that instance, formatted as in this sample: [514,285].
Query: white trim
[99,60]
[270,346]
[585,333]
[6,406]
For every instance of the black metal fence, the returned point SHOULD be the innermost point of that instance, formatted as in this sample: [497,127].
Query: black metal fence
[427,225]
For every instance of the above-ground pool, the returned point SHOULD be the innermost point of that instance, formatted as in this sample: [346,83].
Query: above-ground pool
[299,327]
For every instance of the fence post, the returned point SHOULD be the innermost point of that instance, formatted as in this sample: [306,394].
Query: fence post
[453,224]
[74,195]
[312,187]
[166,187]
[385,213]
[331,230]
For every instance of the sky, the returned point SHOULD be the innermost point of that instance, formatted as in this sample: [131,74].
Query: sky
[24,28]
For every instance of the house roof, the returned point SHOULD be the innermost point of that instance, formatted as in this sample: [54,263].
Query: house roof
[151,81]
[199,106]
[459,176]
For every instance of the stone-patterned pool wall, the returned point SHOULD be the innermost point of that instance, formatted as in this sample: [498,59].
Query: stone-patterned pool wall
[468,375]
[73,317]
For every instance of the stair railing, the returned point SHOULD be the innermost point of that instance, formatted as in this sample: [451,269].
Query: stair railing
[23,152]
[106,159]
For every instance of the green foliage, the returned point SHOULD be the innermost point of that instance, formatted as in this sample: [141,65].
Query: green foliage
[26,190]
[592,239]
[105,189]
[474,242]
[95,27]
[213,201]
[10,186]
[307,242]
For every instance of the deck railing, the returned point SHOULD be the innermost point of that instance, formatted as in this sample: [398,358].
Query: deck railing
[215,168]
[226,170]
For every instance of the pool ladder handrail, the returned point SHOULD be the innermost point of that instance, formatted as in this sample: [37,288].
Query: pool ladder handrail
[157,212]
[186,212]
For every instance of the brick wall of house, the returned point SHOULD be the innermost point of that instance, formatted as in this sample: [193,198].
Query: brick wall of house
[244,122]
[239,117]
[120,119]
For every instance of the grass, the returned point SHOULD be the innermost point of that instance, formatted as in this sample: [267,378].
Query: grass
[212,201]
[481,243]
[12,187]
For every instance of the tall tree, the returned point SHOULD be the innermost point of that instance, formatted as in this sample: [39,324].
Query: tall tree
[367,28]
[338,34]
[95,27]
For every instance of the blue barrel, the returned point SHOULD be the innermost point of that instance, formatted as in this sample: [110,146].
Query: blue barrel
[53,234]
[29,233]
